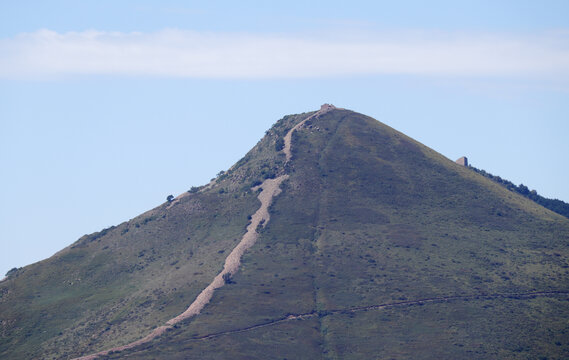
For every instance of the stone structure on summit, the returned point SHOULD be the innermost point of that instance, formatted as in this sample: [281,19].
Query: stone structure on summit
[462,161]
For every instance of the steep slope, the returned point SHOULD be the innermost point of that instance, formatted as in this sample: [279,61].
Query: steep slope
[555,205]
[377,246]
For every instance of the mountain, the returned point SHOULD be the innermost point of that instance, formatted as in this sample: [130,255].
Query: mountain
[335,237]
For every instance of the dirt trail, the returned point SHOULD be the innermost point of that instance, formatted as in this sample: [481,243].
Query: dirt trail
[270,189]
[291,317]
[288,137]
[407,303]
[154,334]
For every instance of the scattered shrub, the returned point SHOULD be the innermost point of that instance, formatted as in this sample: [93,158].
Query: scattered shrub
[227,278]
[12,272]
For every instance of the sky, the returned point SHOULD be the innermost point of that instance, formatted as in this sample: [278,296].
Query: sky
[108,107]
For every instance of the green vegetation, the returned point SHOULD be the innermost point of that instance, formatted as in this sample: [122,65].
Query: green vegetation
[13,272]
[555,205]
[113,287]
[194,189]
[227,278]
[367,217]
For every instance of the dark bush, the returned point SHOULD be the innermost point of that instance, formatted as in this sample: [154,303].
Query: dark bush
[12,272]
[194,189]
[227,278]
[279,144]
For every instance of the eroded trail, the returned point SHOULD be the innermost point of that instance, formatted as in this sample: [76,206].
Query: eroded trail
[288,137]
[270,189]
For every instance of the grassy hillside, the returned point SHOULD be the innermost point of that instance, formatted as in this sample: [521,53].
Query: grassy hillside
[555,205]
[113,287]
[371,217]
[378,247]
[116,285]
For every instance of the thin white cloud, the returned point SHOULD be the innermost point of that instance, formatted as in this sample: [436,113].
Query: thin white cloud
[177,53]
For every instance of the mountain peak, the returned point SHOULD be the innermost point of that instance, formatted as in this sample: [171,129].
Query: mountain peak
[327,107]
[336,236]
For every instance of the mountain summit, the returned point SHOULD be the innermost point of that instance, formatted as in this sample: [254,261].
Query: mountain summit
[335,237]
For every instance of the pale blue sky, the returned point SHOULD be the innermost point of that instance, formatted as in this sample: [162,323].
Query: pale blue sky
[107,107]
